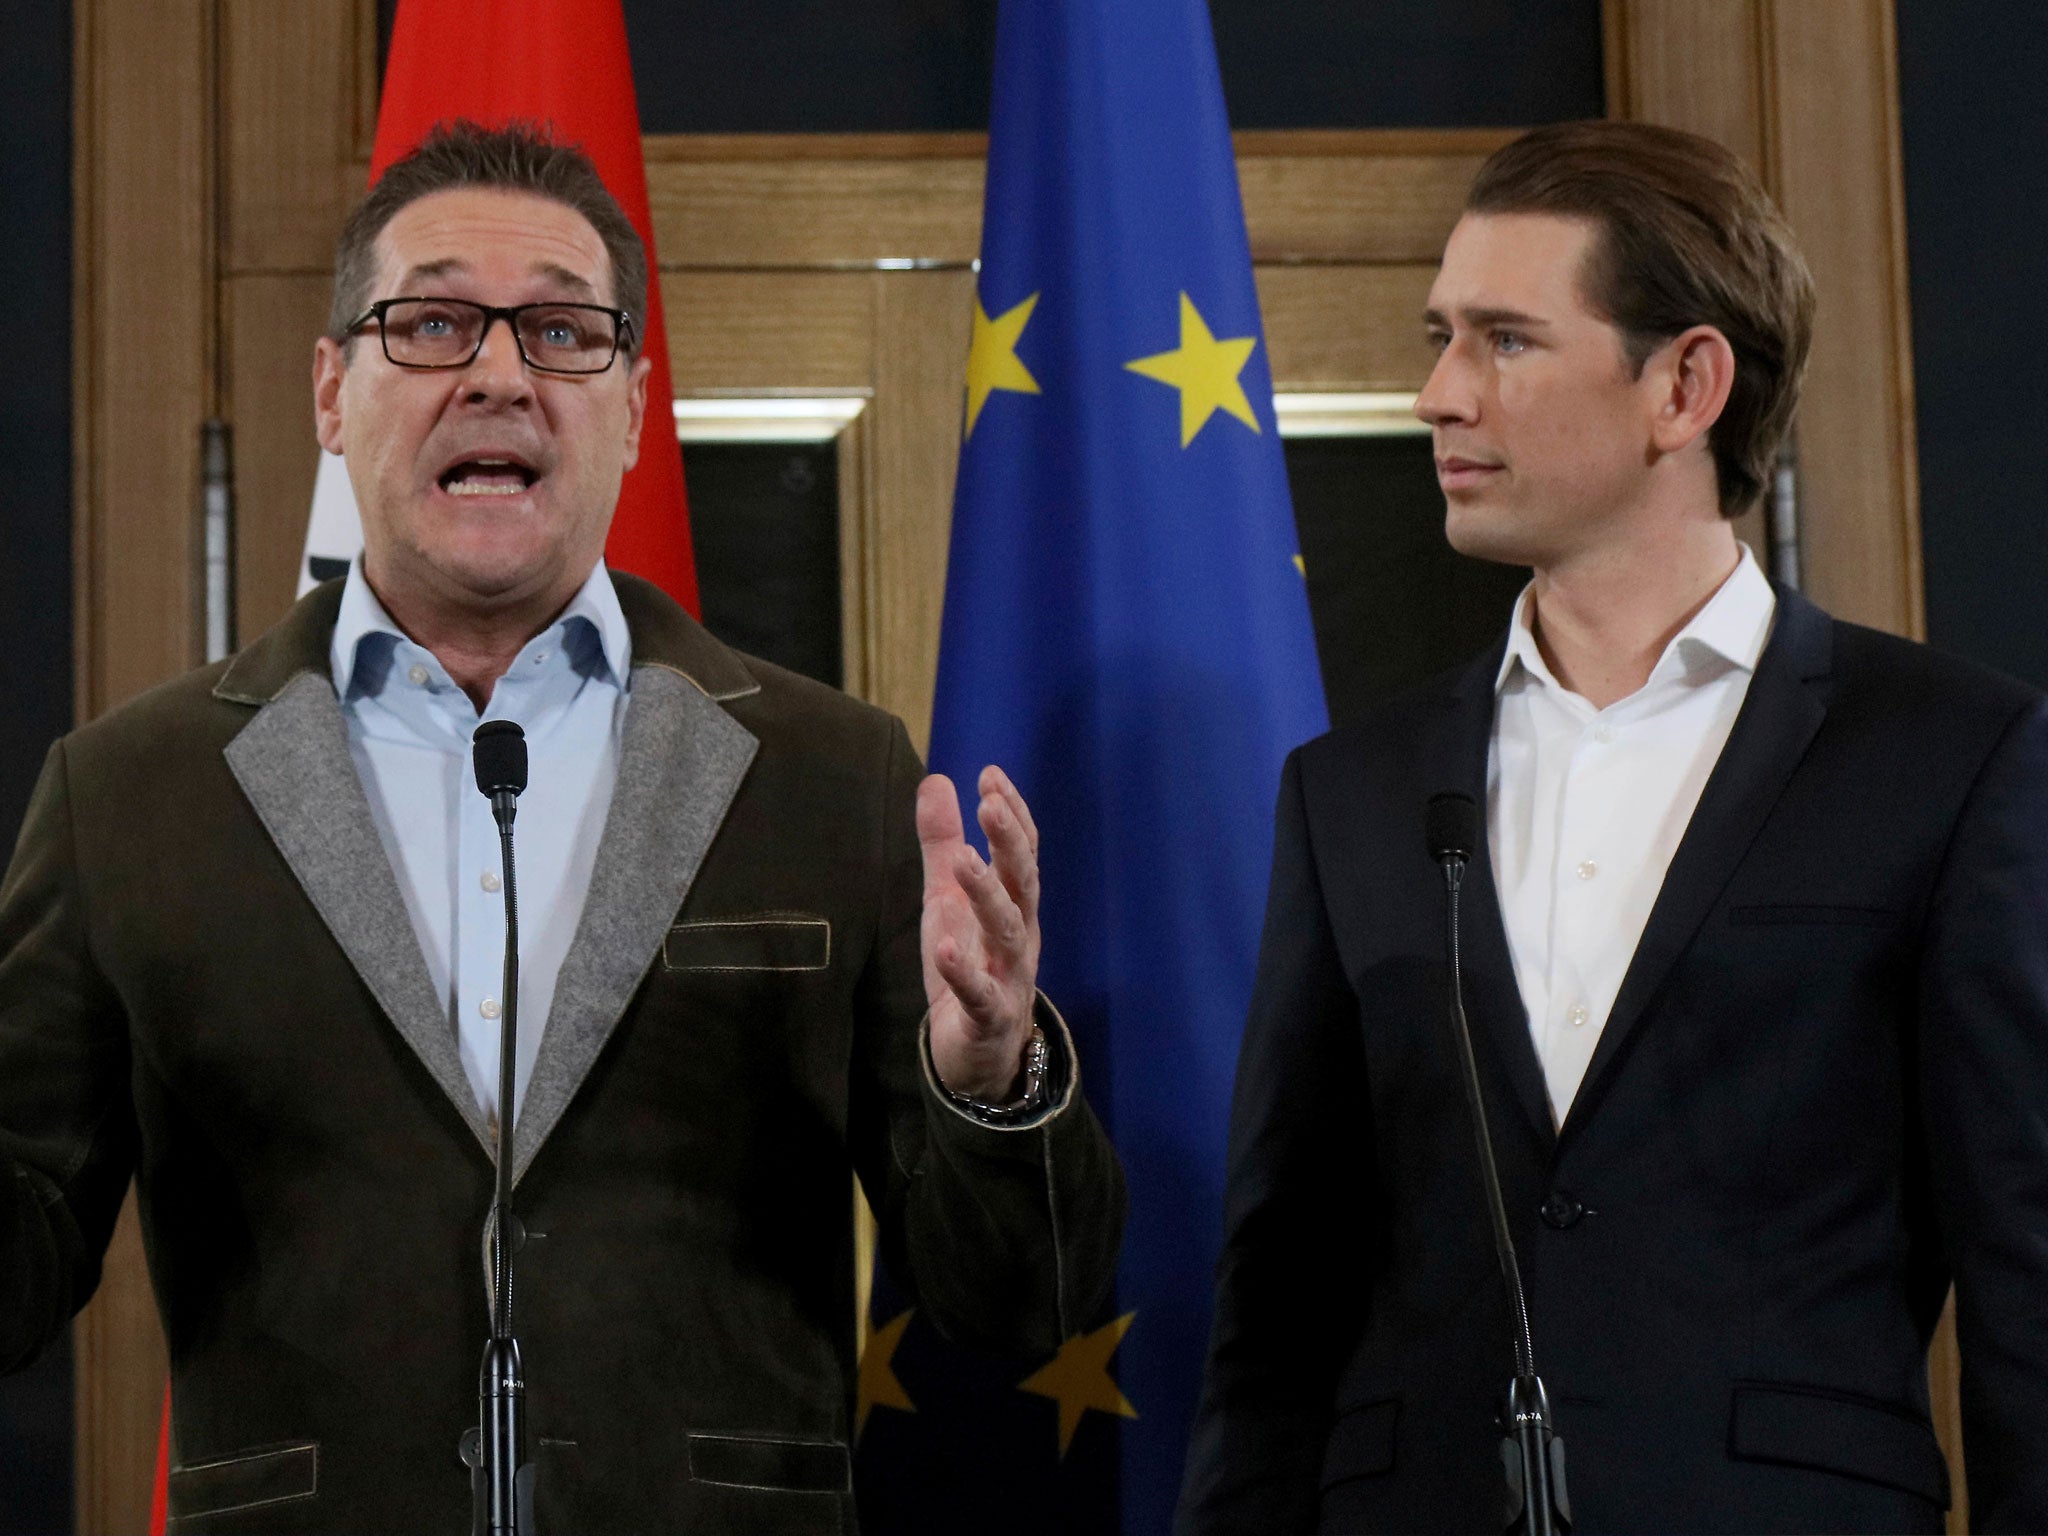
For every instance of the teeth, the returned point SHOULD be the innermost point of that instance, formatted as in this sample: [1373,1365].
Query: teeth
[480,488]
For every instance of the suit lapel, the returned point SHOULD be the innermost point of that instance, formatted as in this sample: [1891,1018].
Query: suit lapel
[681,762]
[1454,757]
[293,763]
[1779,717]
[680,765]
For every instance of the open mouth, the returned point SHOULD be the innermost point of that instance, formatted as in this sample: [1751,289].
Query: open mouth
[487,477]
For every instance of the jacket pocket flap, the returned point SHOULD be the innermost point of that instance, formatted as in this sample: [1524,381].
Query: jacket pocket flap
[760,1461]
[272,1475]
[771,941]
[1834,1432]
[1361,1443]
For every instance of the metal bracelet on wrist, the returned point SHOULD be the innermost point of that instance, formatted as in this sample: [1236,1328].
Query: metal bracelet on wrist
[1035,1057]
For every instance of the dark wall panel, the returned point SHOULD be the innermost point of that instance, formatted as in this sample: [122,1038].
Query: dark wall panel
[873,66]
[35,587]
[1976,151]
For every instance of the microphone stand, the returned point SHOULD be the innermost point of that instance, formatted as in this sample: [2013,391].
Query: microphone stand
[1531,1451]
[501,1479]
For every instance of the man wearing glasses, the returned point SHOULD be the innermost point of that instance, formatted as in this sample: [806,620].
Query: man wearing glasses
[250,949]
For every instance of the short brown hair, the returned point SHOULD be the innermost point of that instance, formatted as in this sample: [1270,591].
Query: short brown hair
[1686,236]
[520,157]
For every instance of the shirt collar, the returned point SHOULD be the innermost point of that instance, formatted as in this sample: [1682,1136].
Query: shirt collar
[1730,630]
[362,615]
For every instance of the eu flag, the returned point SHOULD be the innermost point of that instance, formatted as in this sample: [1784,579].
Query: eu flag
[1126,631]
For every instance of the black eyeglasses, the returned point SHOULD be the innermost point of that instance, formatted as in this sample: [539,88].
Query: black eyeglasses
[448,333]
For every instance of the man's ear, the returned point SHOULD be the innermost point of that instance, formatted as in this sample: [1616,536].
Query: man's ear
[636,407]
[330,367]
[1690,377]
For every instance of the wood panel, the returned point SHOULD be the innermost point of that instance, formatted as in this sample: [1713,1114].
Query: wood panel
[271,324]
[761,331]
[750,202]
[145,259]
[1349,327]
[292,72]
[922,323]
[1690,63]
[1378,198]
[1696,66]
[1808,93]
[144,344]
[1836,171]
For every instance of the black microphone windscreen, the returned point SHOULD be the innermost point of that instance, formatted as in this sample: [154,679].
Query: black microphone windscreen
[1451,825]
[499,751]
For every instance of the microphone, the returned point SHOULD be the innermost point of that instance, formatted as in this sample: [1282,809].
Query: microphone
[1531,1451]
[502,1480]
[498,751]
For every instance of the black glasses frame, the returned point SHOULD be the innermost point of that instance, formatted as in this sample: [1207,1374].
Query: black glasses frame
[622,329]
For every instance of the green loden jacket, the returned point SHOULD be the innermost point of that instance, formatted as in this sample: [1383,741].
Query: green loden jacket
[209,982]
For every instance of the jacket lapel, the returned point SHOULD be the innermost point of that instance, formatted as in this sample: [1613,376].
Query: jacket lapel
[293,763]
[1780,715]
[681,763]
[1454,757]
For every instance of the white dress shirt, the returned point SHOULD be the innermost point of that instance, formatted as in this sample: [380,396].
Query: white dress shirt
[1586,806]
[409,729]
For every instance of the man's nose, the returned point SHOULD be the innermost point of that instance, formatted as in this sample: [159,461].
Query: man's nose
[499,368]
[1447,394]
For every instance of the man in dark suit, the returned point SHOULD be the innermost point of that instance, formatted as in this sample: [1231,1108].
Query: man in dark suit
[248,934]
[1756,951]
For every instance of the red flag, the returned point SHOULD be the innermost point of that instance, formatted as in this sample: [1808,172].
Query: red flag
[160,1494]
[561,62]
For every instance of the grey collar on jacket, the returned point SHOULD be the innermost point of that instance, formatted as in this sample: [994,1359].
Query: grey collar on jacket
[680,765]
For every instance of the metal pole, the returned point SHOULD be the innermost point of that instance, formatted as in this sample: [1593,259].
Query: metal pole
[217,480]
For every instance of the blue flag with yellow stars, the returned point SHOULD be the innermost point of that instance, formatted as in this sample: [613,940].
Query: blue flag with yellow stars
[1126,631]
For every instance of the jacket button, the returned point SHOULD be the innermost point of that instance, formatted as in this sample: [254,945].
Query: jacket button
[1561,1210]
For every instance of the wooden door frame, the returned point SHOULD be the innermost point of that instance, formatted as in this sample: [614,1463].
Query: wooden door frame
[219,142]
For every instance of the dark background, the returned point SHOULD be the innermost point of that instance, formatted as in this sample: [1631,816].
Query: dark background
[35,585]
[1975,125]
[1976,168]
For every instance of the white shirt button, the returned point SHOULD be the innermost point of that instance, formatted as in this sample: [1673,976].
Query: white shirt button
[489,1008]
[1588,869]
[1578,1018]
[1603,733]
[539,657]
[417,675]
[490,881]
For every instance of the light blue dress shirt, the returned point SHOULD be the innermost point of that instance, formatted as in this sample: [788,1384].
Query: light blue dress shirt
[409,729]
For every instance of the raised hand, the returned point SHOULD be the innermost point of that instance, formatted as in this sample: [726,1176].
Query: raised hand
[980,935]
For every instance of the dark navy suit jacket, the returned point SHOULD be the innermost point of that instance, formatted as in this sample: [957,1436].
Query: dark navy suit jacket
[1821,1095]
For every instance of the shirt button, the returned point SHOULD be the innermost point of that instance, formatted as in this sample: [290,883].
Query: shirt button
[489,1008]
[1588,869]
[491,882]
[1603,733]
[417,675]
[1561,1211]
[539,657]
[1578,1018]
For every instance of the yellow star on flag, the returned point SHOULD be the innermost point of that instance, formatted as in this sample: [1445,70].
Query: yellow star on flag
[877,1386]
[1078,1379]
[1205,372]
[992,361]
